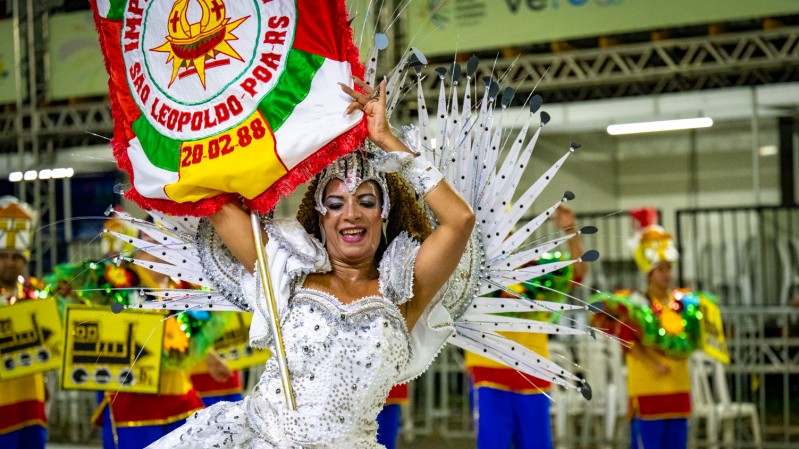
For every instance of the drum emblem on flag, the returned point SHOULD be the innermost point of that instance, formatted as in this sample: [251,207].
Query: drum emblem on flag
[200,46]
[191,75]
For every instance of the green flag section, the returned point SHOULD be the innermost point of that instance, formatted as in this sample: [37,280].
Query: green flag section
[243,102]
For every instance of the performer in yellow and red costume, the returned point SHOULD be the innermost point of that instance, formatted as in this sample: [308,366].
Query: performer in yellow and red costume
[134,420]
[511,407]
[23,423]
[660,328]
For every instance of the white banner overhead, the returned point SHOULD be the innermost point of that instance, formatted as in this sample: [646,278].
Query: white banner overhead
[442,27]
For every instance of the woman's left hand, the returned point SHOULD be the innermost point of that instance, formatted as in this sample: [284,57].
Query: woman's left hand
[373,104]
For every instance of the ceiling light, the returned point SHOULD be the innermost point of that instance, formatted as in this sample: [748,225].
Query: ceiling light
[45,173]
[662,125]
[767,150]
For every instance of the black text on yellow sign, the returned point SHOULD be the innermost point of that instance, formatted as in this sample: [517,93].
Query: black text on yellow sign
[31,338]
[234,344]
[108,351]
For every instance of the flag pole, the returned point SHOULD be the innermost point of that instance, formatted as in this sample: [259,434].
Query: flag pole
[271,307]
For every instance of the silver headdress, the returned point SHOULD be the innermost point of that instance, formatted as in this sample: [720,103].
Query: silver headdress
[353,169]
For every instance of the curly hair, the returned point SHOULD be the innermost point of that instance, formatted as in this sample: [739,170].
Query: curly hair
[406,213]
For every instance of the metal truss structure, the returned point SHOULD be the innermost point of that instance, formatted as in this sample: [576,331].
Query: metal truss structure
[58,122]
[677,65]
[651,68]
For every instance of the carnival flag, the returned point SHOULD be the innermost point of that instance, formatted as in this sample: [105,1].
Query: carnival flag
[215,99]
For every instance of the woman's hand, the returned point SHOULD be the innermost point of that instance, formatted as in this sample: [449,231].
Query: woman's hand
[373,104]
[217,368]
[565,219]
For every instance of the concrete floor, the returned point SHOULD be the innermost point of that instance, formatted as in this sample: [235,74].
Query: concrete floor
[71,446]
[419,443]
[437,443]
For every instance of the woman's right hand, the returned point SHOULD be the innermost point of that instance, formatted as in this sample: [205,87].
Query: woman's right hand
[373,104]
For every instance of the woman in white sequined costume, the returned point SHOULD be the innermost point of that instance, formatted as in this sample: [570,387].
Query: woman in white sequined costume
[346,303]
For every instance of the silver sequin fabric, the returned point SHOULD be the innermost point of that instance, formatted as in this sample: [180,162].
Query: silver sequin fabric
[343,359]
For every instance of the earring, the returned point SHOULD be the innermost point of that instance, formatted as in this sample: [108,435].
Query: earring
[322,235]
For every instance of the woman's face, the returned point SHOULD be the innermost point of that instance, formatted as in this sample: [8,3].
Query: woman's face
[352,224]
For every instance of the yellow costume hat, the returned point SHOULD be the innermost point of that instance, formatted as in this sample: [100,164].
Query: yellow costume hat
[653,245]
[17,220]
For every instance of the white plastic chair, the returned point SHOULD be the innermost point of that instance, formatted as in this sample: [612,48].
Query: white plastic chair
[728,412]
[567,405]
[604,370]
[616,404]
[703,406]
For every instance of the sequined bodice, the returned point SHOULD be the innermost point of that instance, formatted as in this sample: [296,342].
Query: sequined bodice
[343,360]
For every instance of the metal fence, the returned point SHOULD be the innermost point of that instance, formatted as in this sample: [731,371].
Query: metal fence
[748,256]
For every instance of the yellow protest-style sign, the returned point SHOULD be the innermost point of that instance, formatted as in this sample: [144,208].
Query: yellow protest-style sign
[234,344]
[712,331]
[108,351]
[31,338]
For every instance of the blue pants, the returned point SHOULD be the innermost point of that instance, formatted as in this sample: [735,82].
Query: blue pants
[30,437]
[659,433]
[503,418]
[388,424]
[211,400]
[133,437]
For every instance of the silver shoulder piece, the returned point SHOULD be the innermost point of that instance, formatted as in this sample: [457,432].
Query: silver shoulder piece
[223,269]
[306,253]
[396,269]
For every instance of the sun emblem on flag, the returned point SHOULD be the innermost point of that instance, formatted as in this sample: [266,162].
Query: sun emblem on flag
[195,47]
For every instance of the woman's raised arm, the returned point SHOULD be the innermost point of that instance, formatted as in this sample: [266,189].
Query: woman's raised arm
[233,225]
[442,250]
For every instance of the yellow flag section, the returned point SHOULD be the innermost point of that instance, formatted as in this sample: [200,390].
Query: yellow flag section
[232,152]
[30,338]
[108,351]
[234,344]
[712,331]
